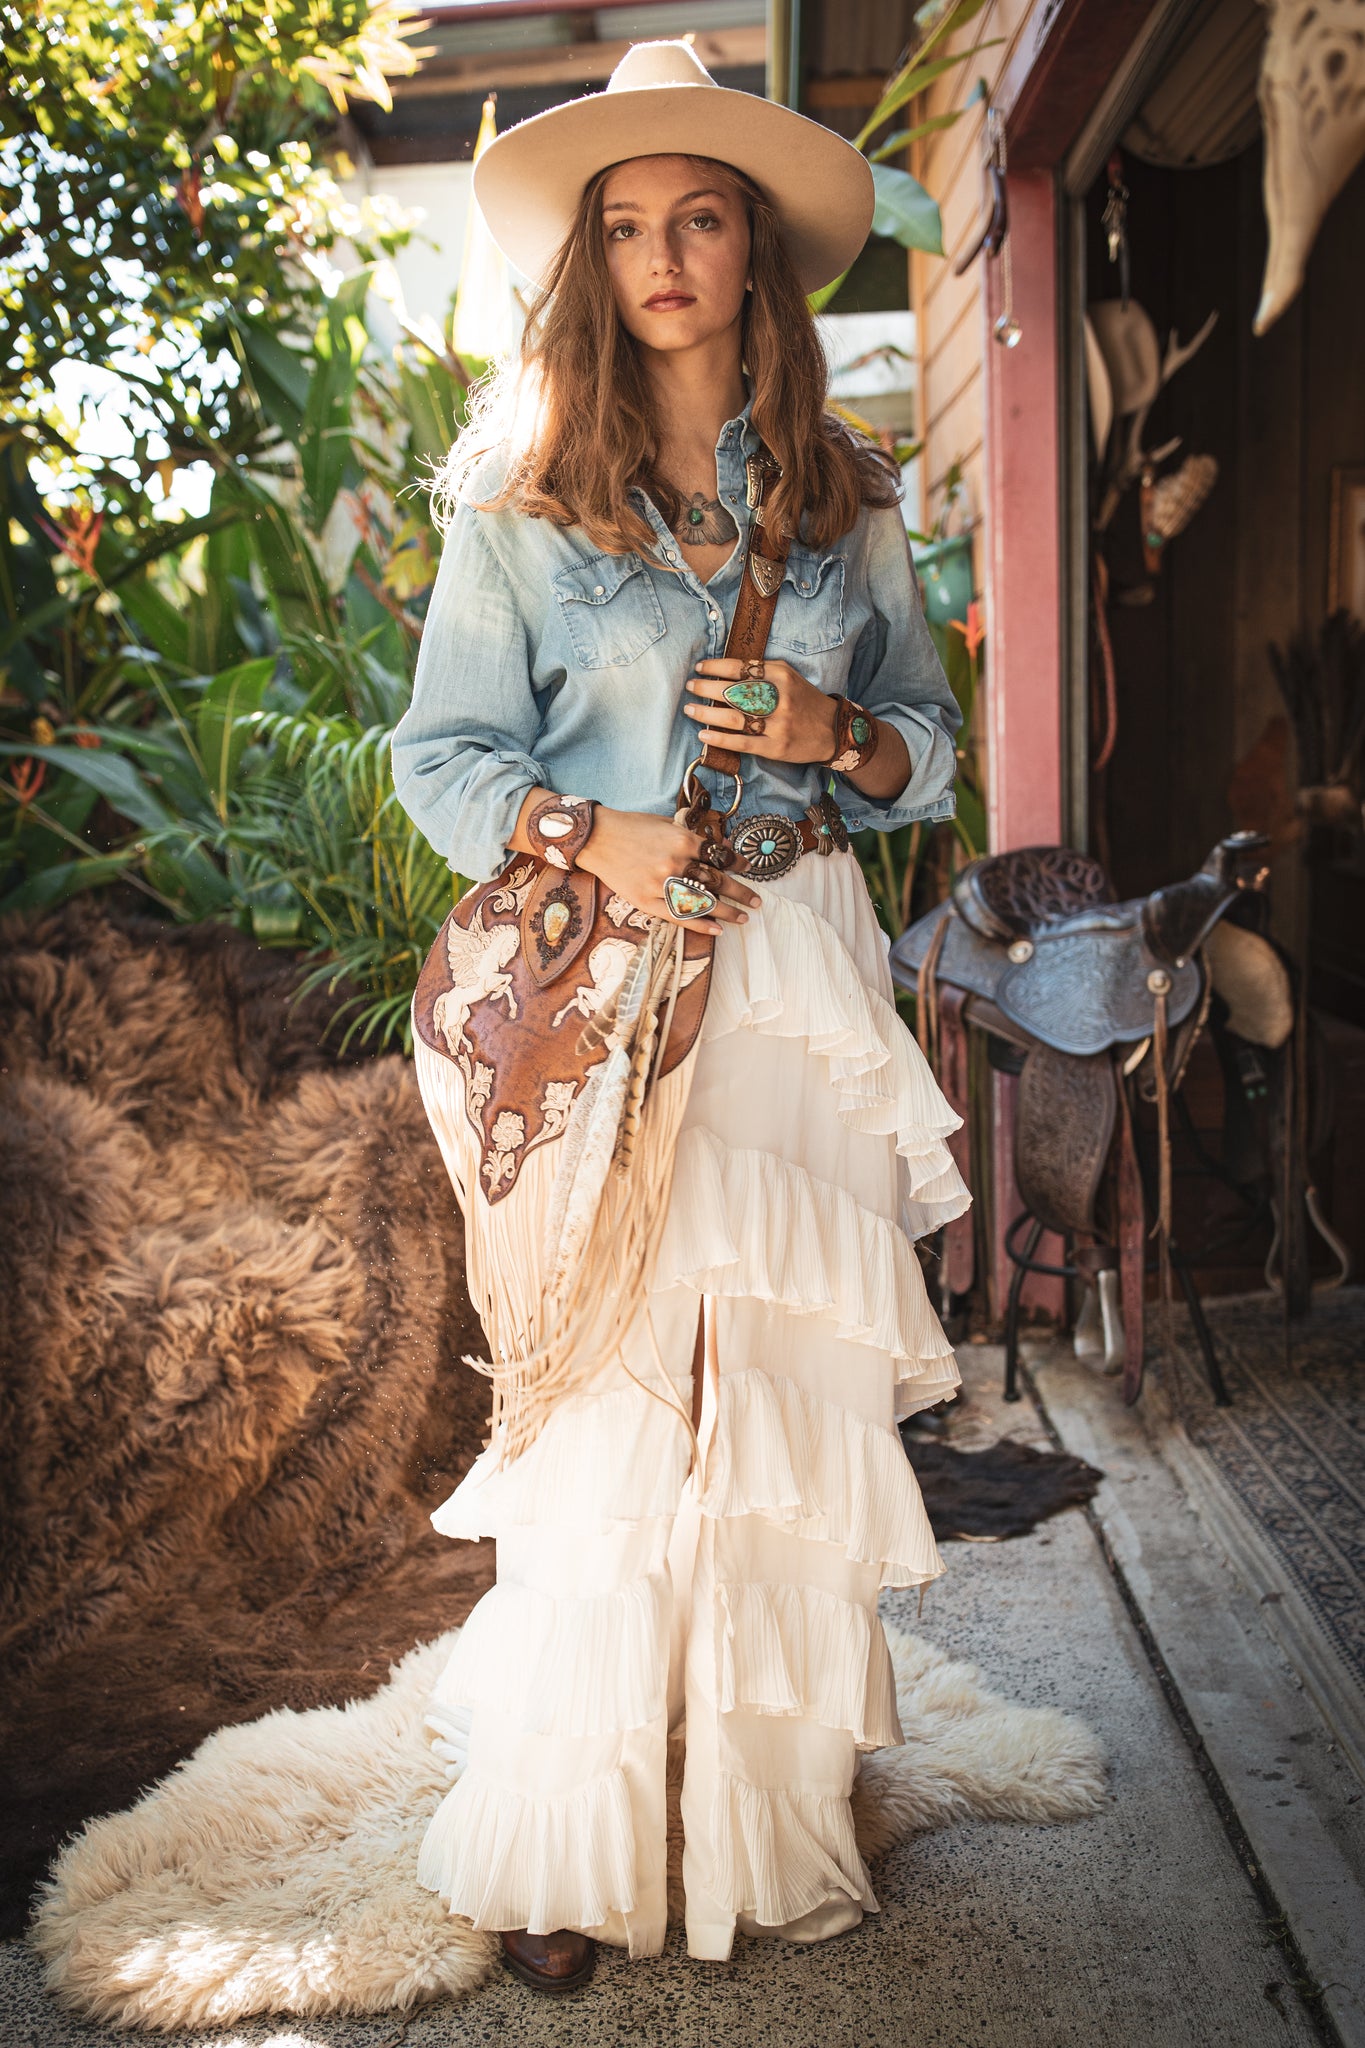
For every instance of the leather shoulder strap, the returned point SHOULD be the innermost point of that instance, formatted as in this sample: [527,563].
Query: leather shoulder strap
[765,557]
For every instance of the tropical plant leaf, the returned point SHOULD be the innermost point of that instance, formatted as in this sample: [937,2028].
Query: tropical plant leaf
[215,637]
[44,887]
[159,623]
[279,376]
[324,442]
[917,78]
[970,823]
[285,557]
[115,778]
[222,728]
[435,406]
[894,144]
[905,212]
[114,564]
[818,300]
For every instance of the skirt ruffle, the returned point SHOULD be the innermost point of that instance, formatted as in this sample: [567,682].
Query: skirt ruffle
[754,1224]
[794,975]
[800,1651]
[542,1860]
[550,1664]
[819,1471]
[782,1853]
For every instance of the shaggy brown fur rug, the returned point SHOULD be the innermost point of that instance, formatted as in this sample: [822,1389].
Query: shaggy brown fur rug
[231,1313]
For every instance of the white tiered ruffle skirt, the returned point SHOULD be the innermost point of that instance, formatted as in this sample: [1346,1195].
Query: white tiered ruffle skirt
[736,1607]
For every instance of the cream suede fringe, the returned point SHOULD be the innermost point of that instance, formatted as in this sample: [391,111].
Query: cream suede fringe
[557,1270]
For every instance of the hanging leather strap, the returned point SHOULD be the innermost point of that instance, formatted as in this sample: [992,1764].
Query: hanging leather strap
[765,557]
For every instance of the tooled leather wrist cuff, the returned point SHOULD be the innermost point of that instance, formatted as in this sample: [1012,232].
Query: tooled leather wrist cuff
[855,737]
[559,828]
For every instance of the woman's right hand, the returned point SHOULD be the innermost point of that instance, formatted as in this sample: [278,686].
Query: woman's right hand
[634,852]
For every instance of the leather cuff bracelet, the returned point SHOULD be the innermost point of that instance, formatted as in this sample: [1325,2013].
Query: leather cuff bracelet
[558,829]
[855,737]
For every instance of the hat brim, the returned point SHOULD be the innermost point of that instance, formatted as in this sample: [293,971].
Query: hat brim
[529,181]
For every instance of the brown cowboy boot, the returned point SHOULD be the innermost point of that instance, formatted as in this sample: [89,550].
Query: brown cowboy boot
[551,1962]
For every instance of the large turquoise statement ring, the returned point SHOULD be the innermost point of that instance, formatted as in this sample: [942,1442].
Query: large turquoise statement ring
[686,899]
[759,698]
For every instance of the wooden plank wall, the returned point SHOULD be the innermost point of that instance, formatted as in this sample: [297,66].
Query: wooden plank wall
[951,324]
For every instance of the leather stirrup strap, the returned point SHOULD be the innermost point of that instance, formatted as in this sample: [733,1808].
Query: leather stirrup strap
[954,1078]
[1161,1057]
[1132,1247]
[765,556]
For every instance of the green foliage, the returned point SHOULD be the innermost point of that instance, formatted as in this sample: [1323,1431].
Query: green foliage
[905,868]
[156,169]
[905,212]
[904,209]
[326,853]
[202,709]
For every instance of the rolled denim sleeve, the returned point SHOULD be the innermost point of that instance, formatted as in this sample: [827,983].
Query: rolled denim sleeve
[463,755]
[897,675]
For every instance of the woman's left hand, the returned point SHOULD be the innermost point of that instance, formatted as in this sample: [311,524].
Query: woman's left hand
[800,729]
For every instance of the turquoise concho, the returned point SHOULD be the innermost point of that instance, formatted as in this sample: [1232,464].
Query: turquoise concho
[769,843]
[758,698]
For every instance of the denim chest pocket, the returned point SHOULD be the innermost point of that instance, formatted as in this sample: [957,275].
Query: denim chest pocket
[810,606]
[610,608]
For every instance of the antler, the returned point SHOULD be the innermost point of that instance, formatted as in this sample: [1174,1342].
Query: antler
[1135,458]
[1176,356]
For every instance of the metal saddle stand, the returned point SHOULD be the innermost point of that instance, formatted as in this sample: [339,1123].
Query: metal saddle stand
[1097,998]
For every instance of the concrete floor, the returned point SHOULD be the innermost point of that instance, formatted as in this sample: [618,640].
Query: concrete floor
[1136,1929]
[1278,1719]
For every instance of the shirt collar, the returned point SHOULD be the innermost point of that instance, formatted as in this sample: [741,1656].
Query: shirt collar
[741,430]
[737,441]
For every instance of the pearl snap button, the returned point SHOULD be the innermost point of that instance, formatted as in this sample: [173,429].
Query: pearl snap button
[599,590]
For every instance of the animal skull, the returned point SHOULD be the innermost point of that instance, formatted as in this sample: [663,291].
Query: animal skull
[1312,94]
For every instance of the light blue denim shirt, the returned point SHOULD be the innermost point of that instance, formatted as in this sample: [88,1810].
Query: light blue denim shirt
[545,662]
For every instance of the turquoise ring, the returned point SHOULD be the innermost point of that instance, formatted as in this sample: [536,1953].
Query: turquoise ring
[686,898]
[758,698]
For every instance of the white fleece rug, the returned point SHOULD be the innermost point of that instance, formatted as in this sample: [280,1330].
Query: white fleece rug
[274,1870]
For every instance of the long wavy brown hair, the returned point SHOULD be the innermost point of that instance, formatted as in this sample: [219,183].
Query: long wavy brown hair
[575,416]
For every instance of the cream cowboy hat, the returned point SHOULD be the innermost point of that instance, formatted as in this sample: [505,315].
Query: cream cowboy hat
[662,101]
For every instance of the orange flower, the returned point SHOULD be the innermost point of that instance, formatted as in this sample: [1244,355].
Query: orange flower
[78,537]
[28,778]
[974,631]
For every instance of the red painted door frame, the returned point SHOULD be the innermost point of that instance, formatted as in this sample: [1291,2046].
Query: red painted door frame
[1061,62]
[1023,695]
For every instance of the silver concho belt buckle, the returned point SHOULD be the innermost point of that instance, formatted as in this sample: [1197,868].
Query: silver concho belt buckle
[769,843]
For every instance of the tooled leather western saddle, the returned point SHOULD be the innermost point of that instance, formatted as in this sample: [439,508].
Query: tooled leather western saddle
[1094,997]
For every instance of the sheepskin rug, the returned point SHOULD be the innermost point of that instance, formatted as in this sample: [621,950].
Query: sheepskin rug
[232,1310]
[274,1870]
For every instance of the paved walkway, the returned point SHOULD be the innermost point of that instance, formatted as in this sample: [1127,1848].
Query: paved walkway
[1136,1929]
[1278,1717]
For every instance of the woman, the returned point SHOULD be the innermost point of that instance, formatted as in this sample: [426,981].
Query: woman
[592,564]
